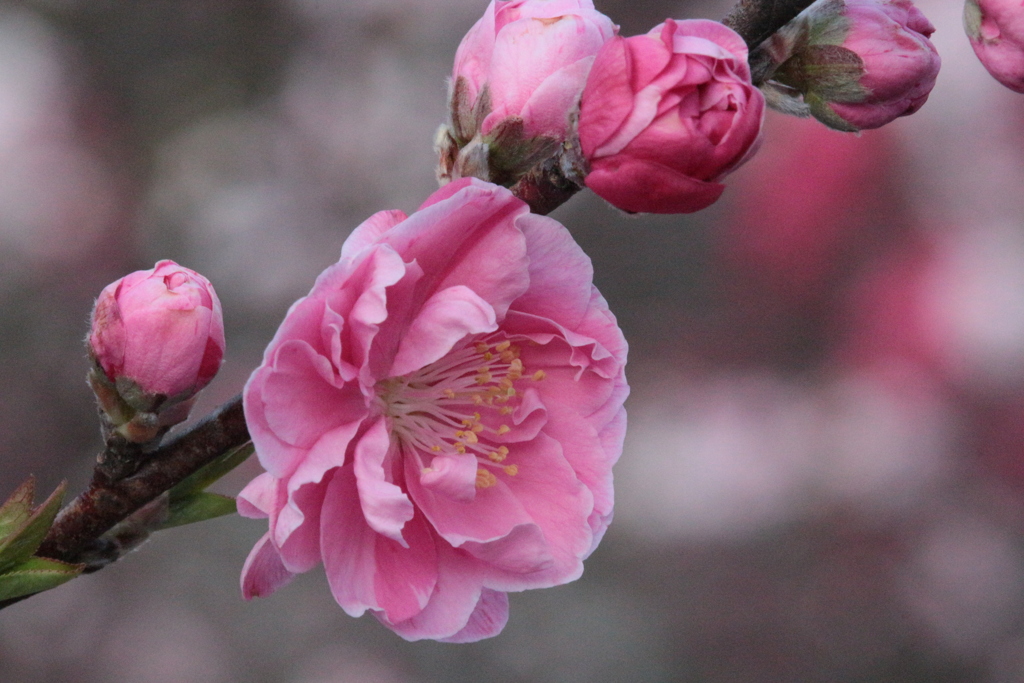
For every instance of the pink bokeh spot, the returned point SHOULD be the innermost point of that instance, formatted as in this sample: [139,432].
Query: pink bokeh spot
[439,417]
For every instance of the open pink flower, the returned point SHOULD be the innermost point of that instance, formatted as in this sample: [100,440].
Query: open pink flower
[438,418]
[665,116]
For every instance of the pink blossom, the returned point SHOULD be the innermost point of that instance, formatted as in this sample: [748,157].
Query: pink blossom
[161,328]
[532,57]
[666,115]
[996,31]
[438,418]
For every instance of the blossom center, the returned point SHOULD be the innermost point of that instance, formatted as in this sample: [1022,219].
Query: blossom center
[459,405]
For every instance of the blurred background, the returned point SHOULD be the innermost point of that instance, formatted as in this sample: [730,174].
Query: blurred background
[824,474]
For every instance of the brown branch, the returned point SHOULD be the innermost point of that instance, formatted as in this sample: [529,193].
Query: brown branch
[756,20]
[80,525]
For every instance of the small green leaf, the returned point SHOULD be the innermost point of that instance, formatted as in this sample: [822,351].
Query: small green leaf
[17,508]
[198,507]
[35,575]
[23,541]
[200,479]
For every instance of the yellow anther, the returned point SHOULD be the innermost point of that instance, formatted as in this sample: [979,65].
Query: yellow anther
[460,447]
[485,479]
[503,429]
[505,383]
[481,347]
[508,356]
[477,428]
[476,417]
[502,346]
[503,451]
[505,410]
[516,365]
[511,470]
[470,437]
[496,456]
[539,375]
[488,356]
[514,375]
[478,399]
[448,393]
[436,449]
[483,378]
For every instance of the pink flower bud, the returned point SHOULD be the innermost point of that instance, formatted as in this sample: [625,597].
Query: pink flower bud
[516,86]
[996,31]
[162,329]
[857,63]
[666,115]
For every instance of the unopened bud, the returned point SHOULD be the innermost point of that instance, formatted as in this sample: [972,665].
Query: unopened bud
[856,64]
[157,339]
[515,87]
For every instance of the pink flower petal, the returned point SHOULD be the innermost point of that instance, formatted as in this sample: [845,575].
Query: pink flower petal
[263,572]
[451,476]
[487,620]
[446,318]
[366,570]
[385,506]
[641,186]
[369,231]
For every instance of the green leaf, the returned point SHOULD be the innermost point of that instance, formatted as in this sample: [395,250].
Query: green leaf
[198,507]
[200,479]
[35,575]
[17,508]
[24,540]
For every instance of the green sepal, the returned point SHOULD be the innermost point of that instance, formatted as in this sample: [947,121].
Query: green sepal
[784,99]
[972,20]
[830,71]
[827,22]
[821,110]
[17,508]
[19,545]
[200,479]
[834,73]
[512,154]
[35,575]
[198,507]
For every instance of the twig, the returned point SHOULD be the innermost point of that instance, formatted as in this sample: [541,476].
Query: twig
[105,503]
[756,20]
